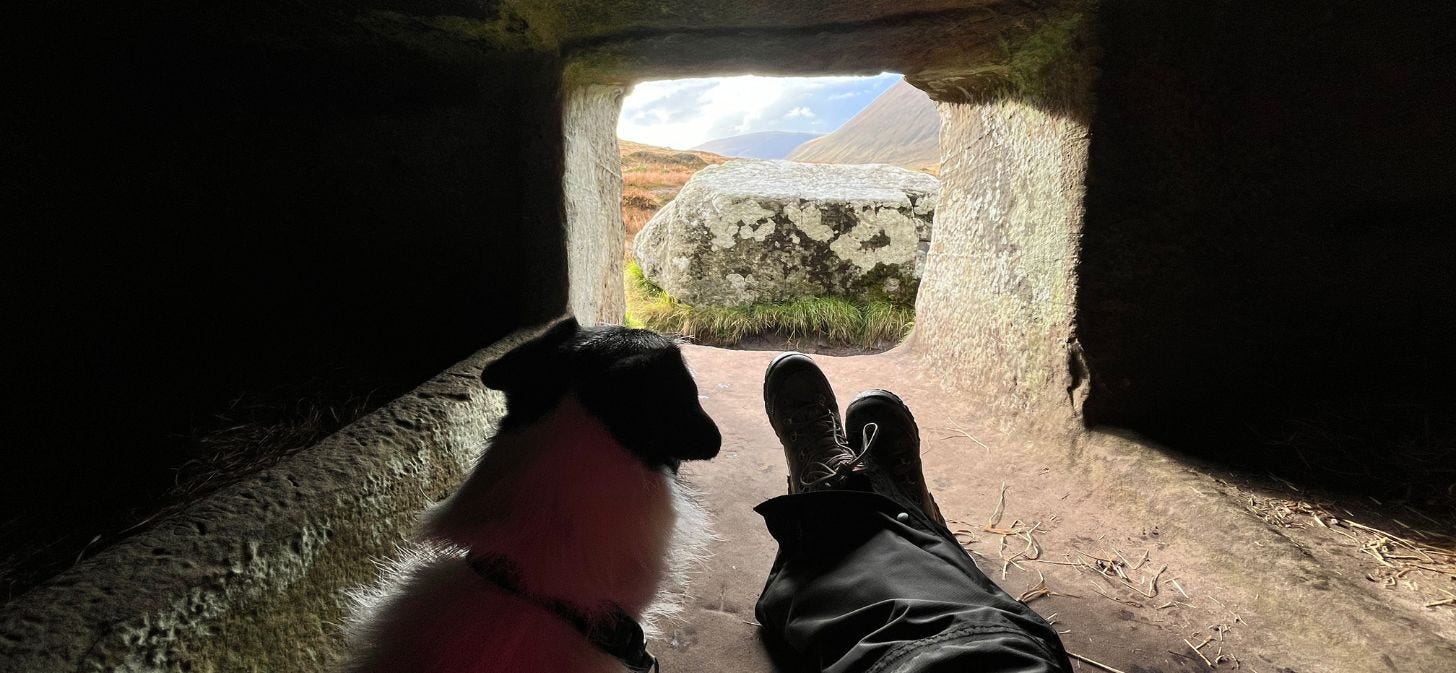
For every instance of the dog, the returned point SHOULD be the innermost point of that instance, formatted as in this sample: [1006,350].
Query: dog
[558,544]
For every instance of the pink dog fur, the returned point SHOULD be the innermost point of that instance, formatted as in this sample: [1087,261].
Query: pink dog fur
[582,519]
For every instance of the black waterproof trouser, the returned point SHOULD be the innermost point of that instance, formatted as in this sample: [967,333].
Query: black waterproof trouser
[862,584]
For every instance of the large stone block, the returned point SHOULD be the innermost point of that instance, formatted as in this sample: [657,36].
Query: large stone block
[762,231]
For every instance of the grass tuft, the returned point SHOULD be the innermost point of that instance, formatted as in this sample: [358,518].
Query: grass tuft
[865,325]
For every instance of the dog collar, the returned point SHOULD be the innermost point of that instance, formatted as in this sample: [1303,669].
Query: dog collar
[615,633]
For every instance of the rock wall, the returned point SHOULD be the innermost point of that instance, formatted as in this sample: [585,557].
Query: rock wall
[997,309]
[746,232]
[592,190]
[1269,231]
[253,577]
[203,201]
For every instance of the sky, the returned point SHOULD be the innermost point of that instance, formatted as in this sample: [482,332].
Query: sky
[684,113]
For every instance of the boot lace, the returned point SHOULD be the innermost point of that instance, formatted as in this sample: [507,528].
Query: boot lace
[830,441]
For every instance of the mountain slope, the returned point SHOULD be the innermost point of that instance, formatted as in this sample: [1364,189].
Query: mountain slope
[762,145]
[901,127]
[652,176]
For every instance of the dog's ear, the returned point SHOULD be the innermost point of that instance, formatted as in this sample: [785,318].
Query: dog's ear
[532,363]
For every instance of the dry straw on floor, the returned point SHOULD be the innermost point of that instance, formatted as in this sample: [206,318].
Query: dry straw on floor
[1397,561]
[1134,580]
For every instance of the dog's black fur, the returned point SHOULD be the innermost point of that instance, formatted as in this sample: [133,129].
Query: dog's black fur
[662,424]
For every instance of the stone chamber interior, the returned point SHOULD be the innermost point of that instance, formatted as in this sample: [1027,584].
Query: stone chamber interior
[205,204]
[1288,292]
[1224,228]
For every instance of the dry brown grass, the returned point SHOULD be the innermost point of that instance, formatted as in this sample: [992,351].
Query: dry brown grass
[657,178]
[633,219]
[652,176]
[637,197]
[1413,559]
[638,206]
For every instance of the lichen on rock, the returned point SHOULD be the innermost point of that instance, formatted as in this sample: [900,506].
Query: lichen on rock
[748,232]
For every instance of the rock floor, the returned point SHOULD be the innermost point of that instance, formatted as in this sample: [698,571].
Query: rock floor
[1153,565]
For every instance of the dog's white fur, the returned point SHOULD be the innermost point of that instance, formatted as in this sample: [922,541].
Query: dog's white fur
[582,519]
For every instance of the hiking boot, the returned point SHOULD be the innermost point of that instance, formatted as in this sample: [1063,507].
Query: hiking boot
[802,411]
[882,430]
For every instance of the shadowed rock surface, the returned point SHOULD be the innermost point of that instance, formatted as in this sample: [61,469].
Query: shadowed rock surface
[256,577]
[764,231]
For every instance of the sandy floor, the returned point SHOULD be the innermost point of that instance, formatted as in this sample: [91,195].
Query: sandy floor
[1286,596]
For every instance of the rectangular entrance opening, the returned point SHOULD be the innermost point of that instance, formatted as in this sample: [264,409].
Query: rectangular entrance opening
[778,213]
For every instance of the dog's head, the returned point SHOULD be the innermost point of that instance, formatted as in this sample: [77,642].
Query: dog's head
[633,380]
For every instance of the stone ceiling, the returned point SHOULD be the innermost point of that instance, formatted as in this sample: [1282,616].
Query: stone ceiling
[634,40]
[576,21]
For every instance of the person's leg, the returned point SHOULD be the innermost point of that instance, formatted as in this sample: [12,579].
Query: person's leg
[862,584]
[867,577]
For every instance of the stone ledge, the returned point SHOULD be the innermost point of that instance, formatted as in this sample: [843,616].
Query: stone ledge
[252,577]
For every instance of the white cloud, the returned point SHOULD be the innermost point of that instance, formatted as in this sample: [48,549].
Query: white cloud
[659,113]
[688,112]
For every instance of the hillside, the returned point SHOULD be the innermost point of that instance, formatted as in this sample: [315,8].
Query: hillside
[901,127]
[652,176]
[762,145]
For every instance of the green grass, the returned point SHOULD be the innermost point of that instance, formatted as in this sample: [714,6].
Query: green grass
[866,325]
